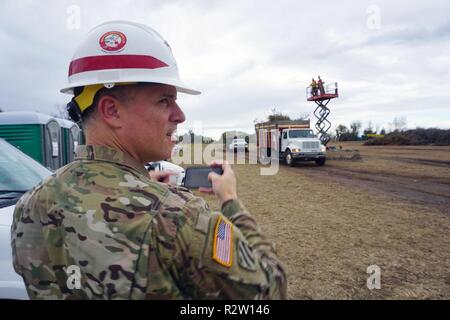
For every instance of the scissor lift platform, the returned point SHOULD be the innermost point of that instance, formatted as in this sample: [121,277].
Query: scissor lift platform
[322,97]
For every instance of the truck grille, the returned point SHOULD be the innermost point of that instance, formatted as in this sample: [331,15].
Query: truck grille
[310,145]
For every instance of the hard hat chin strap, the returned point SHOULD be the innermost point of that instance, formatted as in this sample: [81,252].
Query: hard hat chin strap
[74,111]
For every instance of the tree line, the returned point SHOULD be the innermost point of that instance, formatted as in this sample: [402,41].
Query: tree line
[355,131]
[418,136]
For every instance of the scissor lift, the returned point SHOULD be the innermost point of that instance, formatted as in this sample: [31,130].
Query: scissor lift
[322,97]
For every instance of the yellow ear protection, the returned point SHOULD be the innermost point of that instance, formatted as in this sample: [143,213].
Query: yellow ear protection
[84,99]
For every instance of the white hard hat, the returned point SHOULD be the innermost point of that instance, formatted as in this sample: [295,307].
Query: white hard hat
[123,52]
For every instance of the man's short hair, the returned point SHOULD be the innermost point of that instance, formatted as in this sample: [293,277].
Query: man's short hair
[121,93]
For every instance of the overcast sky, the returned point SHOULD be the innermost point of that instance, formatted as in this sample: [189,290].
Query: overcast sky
[390,58]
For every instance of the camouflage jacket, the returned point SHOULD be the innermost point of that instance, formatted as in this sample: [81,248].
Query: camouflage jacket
[99,228]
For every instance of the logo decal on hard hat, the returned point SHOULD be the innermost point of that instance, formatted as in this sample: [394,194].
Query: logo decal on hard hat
[113,41]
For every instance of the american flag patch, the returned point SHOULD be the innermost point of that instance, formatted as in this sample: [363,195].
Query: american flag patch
[223,239]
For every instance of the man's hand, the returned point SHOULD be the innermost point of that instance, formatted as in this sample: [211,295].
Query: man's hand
[161,176]
[223,186]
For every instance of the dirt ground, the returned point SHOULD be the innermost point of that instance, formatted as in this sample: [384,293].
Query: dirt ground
[329,224]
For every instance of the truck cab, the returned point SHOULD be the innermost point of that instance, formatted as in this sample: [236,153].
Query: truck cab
[301,144]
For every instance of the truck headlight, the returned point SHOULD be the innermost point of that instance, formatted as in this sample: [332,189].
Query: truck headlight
[295,150]
[323,148]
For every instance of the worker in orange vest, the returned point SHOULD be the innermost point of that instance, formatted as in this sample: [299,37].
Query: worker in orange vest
[320,85]
[314,87]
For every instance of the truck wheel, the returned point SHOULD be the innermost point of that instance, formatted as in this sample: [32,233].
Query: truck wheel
[320,162]
[288,159]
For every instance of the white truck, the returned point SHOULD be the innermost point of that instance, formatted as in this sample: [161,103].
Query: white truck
[290,141]
[238,144]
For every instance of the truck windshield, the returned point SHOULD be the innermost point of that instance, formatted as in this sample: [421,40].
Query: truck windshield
[301,134]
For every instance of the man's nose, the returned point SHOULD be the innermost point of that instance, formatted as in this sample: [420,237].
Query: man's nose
[177,114]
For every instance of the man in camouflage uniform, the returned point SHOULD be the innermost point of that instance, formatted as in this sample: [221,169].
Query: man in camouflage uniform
[123,235]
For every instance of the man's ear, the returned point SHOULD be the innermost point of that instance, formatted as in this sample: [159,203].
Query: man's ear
[110,110]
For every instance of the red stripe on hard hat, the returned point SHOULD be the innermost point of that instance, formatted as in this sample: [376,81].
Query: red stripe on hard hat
[125,61]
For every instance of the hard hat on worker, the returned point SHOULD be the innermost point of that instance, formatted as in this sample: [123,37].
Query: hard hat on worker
[121,53]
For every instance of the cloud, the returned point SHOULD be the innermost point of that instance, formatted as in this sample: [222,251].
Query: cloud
[249,57]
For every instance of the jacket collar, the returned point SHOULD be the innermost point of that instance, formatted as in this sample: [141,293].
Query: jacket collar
[102,153]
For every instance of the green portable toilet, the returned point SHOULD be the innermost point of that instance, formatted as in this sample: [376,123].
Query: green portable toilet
[71,138]
[38,135]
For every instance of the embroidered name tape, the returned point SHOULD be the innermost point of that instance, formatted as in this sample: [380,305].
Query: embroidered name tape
[223,242]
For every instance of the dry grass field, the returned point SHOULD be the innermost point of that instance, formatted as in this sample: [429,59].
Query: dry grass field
[390,209]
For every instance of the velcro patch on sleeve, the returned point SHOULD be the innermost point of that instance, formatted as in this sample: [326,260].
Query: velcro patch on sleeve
[202,222]
[223,242]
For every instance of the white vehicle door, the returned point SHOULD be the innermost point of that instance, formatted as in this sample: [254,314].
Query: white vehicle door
[11,284]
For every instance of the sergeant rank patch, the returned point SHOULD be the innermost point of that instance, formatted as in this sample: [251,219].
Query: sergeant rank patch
[223,240]
[246,258]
